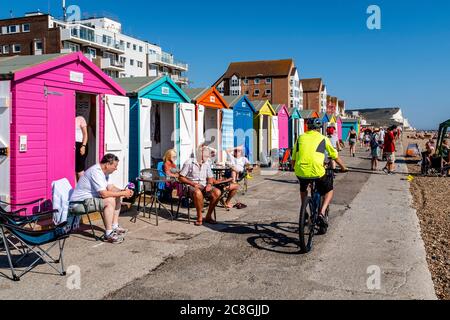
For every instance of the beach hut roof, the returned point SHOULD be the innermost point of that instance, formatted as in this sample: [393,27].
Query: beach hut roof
[233,100]
[278,107]
[136,84]
[259,105]
[196,93]
[294,112]
[20,67]
[10,65]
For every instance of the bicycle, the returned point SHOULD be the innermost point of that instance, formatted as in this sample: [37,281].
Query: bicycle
[309,214]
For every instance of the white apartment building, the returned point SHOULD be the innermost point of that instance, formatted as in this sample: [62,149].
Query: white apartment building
[323,99]
[296,91]
[119,55]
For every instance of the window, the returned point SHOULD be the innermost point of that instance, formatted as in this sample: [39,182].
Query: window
[92,52]
[256,81]
[141,49]
[26,27]
[128,45]
[256,92]
[268,92]
[245,81]
[5,49]
[247,92]
[123,60]
[234,82]
[268,80]
[17,48]
[71,46]
[14,29]
[131,62]
[140,64]
[122,43]
[134,47]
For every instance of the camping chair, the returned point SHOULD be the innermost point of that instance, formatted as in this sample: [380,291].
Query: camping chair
[23,210]
[186,198]
[33,242]
[61,193]
[285,163]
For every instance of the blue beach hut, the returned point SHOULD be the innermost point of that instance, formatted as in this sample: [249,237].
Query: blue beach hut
[161,118]
[243,114]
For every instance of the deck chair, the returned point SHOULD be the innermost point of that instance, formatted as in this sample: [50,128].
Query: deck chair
[28,243]
[22,210]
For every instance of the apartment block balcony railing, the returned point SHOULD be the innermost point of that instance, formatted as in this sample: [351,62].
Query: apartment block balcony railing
[86,36]
[167,60]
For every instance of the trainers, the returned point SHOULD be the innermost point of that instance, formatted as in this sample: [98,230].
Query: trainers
[119,230]
[322,221]
[113,238]
[385,170]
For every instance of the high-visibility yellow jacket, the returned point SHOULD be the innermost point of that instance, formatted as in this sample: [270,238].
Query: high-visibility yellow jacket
[309,154]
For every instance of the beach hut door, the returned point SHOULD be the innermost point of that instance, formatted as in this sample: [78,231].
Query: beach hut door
[201,125]
[145,106]
[4,140]
[117,135]
[187,132]
[274,133]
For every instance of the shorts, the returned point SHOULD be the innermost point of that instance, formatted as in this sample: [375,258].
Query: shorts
[206,195]
[324,184]
[93,205]
[352,142]
[80,161]
[390,156]
[375,153]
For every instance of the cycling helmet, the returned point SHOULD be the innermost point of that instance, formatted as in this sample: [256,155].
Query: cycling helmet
[314,123]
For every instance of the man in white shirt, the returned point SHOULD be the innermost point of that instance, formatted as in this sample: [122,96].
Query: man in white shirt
[93,188]
[198,176]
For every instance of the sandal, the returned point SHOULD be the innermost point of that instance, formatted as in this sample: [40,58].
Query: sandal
[198,223]
[211,221]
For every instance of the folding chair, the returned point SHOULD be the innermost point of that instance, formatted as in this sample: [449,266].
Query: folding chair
[33,242]
[22,210]
[187,197]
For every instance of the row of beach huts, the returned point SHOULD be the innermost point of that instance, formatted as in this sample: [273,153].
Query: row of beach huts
[137,119]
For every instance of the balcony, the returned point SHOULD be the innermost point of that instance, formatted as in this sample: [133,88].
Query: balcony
[167,60]
[86,36]
[179,80]
[111,64]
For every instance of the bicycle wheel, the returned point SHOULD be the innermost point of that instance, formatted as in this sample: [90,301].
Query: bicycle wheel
[306,226]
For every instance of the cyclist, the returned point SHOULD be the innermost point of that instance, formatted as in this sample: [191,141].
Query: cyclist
[308,159]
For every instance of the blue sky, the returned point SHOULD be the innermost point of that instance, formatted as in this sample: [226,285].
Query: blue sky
[406,63]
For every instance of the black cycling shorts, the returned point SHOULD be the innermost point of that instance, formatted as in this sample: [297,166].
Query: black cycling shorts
[324,184]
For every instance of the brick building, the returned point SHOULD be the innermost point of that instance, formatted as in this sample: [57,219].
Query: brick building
[314,94]
[274,80]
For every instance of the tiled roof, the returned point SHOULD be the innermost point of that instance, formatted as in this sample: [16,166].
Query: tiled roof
[265,68]
[194,94]
[232,100]
[311,85]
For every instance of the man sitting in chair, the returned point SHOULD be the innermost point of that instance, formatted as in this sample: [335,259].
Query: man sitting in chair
[99,195]
[199,178]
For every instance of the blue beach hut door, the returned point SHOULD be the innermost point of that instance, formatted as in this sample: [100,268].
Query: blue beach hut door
[145,107]
[227,130]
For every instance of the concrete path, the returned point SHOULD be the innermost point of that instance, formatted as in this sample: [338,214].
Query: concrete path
[253,254]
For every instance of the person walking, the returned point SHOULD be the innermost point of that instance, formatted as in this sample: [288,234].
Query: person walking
[389,150]
[374,149]
[351,138]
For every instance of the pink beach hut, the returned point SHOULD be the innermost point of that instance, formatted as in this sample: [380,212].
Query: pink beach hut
[40,97]
[339,127]
[283,125]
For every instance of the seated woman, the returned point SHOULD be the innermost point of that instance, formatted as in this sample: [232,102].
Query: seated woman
[170,169]
[238,161]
